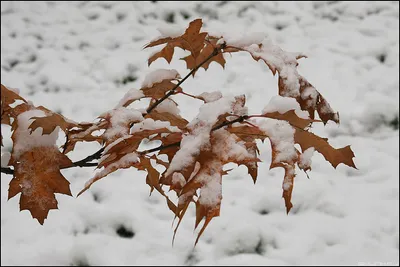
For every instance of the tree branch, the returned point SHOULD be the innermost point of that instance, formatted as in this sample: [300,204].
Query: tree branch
[161,147]
[86,161]
[239,119]
[7,170]
[81,163]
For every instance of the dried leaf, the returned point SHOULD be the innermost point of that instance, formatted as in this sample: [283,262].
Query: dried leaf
[173,119]
[192,40]
[158,90]
[211,44]
[49,123]
[291,117]
[335,156]
[126,146]
[37,177]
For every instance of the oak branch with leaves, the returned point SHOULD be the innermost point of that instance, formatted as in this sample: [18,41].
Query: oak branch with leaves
[192,153]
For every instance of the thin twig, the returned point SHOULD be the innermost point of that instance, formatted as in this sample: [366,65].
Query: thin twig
[86,161]
[7,170]
[161,147]
[239,119]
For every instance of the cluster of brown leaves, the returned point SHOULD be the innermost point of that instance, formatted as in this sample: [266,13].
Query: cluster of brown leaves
[193,172]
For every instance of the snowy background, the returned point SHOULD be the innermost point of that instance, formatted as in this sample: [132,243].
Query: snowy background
[79,59]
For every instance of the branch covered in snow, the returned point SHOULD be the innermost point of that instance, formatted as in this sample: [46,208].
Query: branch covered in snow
[192,153]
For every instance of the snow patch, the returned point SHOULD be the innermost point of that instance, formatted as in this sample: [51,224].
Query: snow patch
[130,96]
[281,135]
[150,124]
[305,158]
[120,119]
[159,75]
[168,106]
[24,140]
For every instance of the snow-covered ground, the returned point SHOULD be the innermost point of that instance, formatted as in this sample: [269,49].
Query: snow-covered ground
[79,58]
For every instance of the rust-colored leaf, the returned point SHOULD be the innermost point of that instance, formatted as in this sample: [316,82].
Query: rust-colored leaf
[126,146]
[49,123]
[335,156]
[211,44]
[84,133]
[291,117]
[247,133]
[37,177]
[192,40]
[173,119]
[287,186]
[158,90]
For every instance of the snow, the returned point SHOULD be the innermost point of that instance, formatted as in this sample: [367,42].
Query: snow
[227,147]
[150,124]
[283,104]
[281,135]
[241,39]
[130,96]
[25,141]
[172,31]
[211,192]
[311,94]
[199,131]
[178,178]
[158,76]
[168,106]
[119,120]
[305,158]
[73,56]
[123,162]
[211,97]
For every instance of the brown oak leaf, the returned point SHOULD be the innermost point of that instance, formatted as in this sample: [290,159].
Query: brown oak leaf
[37,177]
[192,40]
